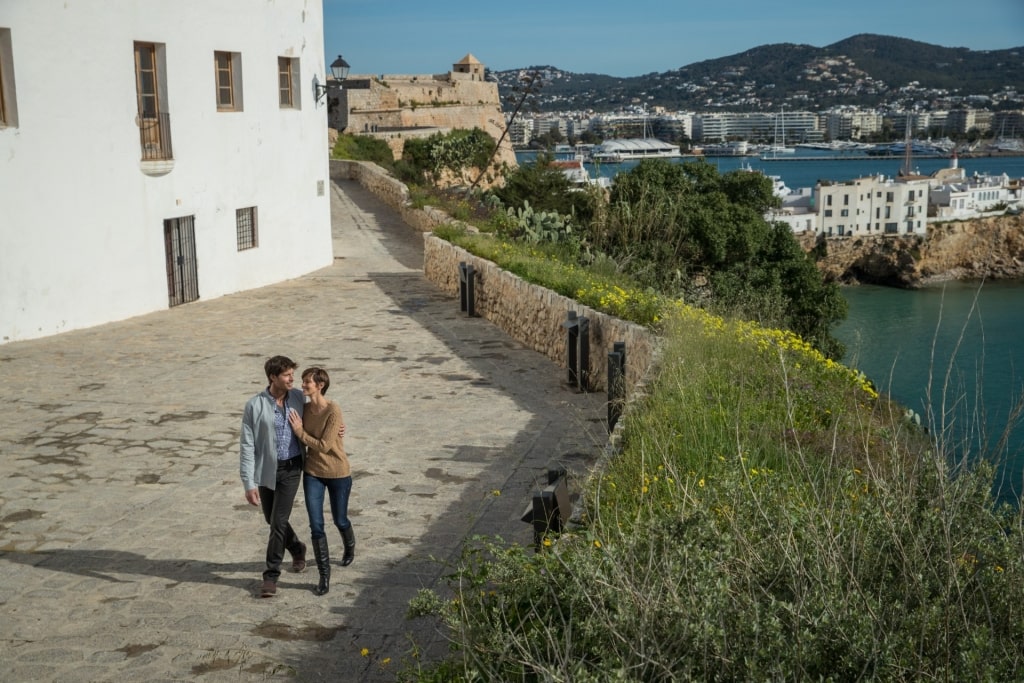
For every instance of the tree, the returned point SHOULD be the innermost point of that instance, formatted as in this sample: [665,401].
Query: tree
[686,229]
[546,188]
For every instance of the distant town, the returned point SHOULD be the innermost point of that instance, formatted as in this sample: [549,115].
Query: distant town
[968,130]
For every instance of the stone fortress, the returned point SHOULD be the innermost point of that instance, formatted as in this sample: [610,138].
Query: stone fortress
[396,107]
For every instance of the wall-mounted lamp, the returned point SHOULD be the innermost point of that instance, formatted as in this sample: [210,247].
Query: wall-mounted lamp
[339,69]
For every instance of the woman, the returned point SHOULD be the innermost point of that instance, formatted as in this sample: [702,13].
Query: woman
[326,468]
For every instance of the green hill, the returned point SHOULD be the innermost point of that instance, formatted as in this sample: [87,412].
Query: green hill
[863,70]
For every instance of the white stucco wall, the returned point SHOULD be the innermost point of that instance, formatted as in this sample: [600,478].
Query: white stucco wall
[81,225]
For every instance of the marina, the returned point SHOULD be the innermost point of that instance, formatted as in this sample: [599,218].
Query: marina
[813,165]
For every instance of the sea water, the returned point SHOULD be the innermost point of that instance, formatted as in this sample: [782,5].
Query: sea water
[952,352]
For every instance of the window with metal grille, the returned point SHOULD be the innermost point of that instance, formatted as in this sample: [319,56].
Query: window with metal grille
[287,77]
[245,227]
[154,123]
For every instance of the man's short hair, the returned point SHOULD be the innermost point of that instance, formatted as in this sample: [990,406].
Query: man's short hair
[278,364]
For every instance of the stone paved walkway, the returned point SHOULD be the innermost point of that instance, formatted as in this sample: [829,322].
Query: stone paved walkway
[127,551]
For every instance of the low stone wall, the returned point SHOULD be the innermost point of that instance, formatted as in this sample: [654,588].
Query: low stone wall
[534,315]
[526,312]
[392,192]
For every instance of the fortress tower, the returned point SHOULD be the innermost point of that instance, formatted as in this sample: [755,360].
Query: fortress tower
[396,107]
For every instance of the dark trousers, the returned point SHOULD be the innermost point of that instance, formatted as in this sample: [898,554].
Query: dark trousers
[277,508]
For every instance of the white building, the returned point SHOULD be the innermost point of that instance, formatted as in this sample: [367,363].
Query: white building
[797,211]
[873,205]
[971,196]
[155,153]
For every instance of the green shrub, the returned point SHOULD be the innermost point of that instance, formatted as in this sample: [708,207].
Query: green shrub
[363,148]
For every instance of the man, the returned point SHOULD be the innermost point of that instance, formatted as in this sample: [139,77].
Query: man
[270,463]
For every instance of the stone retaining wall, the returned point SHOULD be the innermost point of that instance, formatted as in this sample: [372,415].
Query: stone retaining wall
[534,315]
[531,314]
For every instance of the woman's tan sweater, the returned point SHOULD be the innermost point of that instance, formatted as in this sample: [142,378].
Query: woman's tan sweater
[325,454]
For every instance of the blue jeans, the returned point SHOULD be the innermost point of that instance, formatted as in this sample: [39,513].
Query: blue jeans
[338,489]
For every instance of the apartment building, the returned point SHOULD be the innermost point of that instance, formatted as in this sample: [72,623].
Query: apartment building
[183,156]
[798,126]
[873,205]
[520,130]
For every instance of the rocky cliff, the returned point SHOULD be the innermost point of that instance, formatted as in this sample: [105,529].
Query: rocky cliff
[983,248]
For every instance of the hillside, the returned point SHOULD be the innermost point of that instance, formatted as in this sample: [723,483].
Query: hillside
[864,70]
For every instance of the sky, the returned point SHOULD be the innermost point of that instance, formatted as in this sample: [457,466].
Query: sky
[636,37]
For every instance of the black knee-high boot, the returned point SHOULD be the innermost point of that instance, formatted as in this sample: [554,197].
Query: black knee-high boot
[348,538]
[323,564]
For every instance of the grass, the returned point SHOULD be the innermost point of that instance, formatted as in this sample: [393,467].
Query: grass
[545,265]
[770,517]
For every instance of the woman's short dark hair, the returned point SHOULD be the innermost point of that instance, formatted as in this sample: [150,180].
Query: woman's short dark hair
[278,365]
[319,376]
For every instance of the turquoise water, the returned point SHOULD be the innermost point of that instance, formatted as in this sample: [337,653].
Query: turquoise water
[956,348]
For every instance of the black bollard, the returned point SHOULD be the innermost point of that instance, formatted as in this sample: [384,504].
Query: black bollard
[572,346]
[616,383]
[467,300]
[583,376]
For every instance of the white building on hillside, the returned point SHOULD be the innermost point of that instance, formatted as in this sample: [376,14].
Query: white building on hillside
[873,205]
[155,153]
[975,195]
[797,211]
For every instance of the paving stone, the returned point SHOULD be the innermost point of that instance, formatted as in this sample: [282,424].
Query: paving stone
[128,551]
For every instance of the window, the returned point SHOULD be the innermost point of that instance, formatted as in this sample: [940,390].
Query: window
[8,107]
[287,78]
[245,227]
[888,196]
[846,200]
[154,122]
[828,213]
[228,71]
[3,100]
[844,213]
[828,200]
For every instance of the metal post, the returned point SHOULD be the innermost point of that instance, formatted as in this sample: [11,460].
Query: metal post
[614,389]
[571,346]
[550,508]
[584,353]
[467,300]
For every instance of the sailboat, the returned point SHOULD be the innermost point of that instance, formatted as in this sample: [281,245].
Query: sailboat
[779,145]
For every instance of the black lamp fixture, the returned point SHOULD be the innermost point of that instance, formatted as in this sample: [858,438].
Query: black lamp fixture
[339,70]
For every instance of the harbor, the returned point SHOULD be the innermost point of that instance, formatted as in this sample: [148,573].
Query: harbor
[807,169]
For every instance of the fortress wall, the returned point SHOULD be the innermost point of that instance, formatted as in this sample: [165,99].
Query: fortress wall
[395,108]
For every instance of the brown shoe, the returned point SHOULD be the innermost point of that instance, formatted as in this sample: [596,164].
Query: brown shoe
[299,559]
[268,589]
